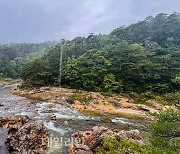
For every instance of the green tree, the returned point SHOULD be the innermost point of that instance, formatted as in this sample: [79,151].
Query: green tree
[166,131]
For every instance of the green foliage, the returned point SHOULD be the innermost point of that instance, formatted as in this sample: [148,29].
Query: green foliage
[141,58]
[79,97]
[110,84]
[113,146]
[176,80]
[172,98]
[141,98]
[25,85]
[153,31]
[166,131]
[37,73]
[165,138]
[14,56]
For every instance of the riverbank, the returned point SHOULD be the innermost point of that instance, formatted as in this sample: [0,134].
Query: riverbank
[93,103]
[8,81]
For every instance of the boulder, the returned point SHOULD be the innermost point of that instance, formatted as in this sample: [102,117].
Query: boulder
[31,138]
[13,121]
[145,108]
[91,140]
[53,117]
[125,103]
[79,149]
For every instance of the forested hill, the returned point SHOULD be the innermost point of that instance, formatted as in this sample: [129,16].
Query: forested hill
[142,57]
[163,30]
[13,56]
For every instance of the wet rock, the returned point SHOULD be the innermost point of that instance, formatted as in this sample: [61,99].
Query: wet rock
[91,140]
[66,123]
[15,88]
[13,121]
[31,138]
[1,105]
[53,117]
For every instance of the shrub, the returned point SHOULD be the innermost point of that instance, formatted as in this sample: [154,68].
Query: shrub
[79,97]
[110,85]
[25,85]
[113,146]
[173,98]
[166,131]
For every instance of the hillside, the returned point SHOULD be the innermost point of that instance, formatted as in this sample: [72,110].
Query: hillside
[13,56]
[142,58]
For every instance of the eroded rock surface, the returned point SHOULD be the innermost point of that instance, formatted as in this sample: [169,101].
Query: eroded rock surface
[24,137]
[13,121]
[91,140]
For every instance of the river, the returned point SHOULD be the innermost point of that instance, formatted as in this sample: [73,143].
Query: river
[68,120]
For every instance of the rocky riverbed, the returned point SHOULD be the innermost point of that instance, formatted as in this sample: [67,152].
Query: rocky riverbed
[60,121]
[94,102]
[4,82]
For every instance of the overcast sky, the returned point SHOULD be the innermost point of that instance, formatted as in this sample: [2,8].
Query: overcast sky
[41,20]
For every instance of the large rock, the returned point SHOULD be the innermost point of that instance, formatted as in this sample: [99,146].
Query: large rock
[13,121]
[146,108]
[30,138]
[91,140]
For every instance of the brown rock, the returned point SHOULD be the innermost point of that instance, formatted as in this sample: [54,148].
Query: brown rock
[13,121]
[156,105]
[92,139]
[125,104]
[145,108]
[31,138]
[79,149]
[53,117]
[76,102]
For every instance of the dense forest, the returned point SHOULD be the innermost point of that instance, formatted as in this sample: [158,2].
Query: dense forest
[142,57]
[14,56]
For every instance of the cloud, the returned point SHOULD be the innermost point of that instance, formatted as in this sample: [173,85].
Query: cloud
[40,20]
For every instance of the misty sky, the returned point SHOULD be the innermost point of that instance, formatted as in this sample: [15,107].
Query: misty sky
[41,20]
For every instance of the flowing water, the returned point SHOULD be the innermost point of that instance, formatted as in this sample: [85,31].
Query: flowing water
[68,120]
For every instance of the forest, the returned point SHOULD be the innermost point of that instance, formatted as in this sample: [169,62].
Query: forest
[142,58]
[14,56]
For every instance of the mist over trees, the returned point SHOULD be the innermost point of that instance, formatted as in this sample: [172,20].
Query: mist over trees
[14,56]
